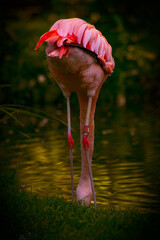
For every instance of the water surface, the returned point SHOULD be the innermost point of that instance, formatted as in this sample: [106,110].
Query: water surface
[126,159]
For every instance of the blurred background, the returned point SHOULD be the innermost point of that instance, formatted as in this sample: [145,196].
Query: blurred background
[132,29]
[126,165]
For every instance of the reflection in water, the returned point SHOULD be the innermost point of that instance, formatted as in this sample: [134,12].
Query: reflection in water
[126,163]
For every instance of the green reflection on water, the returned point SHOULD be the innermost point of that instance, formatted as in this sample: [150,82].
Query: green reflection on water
[125,166]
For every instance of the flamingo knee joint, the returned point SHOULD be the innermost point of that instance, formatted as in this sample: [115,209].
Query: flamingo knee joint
[85,137]
[70,141]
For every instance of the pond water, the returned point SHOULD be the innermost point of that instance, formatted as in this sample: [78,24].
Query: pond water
[126,159]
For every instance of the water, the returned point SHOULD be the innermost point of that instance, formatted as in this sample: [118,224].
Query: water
[126,159]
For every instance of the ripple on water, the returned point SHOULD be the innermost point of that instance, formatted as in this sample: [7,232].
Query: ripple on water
[125,174]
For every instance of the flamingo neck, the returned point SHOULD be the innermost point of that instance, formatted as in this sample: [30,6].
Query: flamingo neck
[83,102]
[84,190]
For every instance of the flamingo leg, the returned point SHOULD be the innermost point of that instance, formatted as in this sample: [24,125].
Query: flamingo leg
[86,146]
[70,144]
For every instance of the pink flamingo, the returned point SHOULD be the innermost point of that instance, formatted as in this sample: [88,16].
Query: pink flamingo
[80,59]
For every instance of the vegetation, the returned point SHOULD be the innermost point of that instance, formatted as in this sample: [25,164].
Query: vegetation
[135,44]
[30,216]
[132,29]
[25,78]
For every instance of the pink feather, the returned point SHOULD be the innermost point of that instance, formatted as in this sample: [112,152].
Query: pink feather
[77,31]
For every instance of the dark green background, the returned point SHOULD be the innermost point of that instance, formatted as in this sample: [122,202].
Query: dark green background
[132,29]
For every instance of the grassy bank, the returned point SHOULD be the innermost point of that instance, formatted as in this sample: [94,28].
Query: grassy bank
[25,215]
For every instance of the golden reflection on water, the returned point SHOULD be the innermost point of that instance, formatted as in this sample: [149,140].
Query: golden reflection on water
[125,166]
[122,184]
[42,165]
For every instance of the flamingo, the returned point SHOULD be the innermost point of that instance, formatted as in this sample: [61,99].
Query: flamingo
[80,60]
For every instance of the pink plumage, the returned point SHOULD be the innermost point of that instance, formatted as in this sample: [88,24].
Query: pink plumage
[80,59]
[76,30]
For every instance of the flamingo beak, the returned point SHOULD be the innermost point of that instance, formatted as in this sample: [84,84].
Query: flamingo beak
[50,36]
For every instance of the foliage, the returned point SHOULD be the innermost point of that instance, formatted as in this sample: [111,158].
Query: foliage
[37,217]
[135,46]
[133,31]
[10,111]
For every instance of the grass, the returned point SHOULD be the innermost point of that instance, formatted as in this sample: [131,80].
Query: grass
[26,215]
[135,77]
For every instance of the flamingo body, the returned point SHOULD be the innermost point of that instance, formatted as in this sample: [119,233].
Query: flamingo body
[79,72]
[80,68]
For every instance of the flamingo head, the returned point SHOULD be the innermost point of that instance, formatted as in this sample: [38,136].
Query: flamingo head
[84,192]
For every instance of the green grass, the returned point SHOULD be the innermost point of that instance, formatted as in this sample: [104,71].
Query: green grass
[37,217]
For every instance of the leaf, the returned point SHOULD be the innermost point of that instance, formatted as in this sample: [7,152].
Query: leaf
[11,115]
[35,112]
